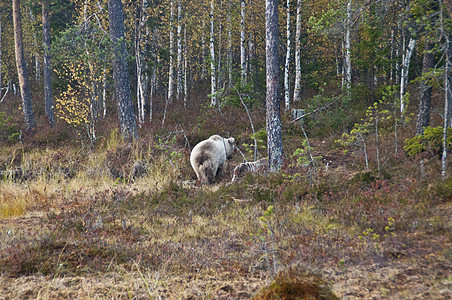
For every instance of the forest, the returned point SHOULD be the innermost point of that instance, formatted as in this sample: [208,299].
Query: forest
[337,115]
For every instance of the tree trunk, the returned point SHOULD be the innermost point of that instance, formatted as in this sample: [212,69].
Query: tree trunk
[273,113]
[179,51]
[229,58]
[185,67]
[22,70]
[213,85]
[141,97]
[404,73]
[447,104]
[242,43]
[203,52]
[287,64]
[220,29]
[0,58]
[35,46]
[297,87]
[171,54]
[156,58]
[104,92]
[449,7]
[47,66]
[348,62]
[126,113]
[423,116]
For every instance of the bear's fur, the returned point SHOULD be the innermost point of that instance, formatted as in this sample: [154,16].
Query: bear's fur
[207,156]
[258,166]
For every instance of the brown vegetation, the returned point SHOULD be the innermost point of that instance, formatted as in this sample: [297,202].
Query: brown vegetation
[120,220]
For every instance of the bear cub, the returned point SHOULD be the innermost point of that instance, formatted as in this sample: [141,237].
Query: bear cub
[207,156]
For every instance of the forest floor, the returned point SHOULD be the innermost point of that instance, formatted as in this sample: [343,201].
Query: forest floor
[162,236]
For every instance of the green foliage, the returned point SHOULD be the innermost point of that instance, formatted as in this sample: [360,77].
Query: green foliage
[302,157]
[8,130]
[246,91]
[432,140]
[261,139]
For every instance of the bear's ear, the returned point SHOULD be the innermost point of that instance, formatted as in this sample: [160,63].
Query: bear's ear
[231,141]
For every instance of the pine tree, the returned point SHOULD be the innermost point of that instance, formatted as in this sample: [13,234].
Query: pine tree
[22,70]
[273,112]
[126,113]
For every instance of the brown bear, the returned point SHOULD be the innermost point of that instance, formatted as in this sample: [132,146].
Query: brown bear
[207,156]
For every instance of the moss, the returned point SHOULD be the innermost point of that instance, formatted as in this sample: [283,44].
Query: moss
[296,283]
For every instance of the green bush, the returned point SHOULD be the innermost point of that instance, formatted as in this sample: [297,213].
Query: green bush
[432,140]
[8,131]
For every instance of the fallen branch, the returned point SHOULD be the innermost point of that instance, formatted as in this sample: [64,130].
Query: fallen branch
[314,111]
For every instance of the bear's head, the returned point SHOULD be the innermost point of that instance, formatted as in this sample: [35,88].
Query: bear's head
[229,145]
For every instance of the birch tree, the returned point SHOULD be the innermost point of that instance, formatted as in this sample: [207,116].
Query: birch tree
[1,59]
[447,90]
[297,86]
[243,66]
[250,60]
[185,67]
[213,86]
[126,114]
[273,112]
[48,101]
[447,103]
[220,28]
[22,70]
[287,64]
[348,62]
[179,51]
[171,55]
[229,50]
[141,97]
[406,59]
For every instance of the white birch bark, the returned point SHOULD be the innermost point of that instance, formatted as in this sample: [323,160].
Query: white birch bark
[179,51]
[220,29]
[343,63]
[104,92]
[152,92]
[404,72]
[213,86]
[447,97]
[297,86]
[0,58]
[397,65]
[185,66]
[348,62]
[139,63]
[229,58]
[171,54]
[287,64]
[242,43]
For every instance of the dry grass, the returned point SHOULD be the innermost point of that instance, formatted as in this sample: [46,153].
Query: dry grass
[83,224]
